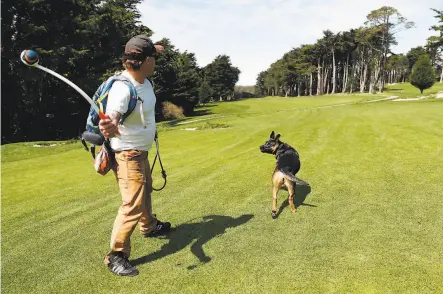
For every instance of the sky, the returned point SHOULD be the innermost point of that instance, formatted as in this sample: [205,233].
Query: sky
[254,34]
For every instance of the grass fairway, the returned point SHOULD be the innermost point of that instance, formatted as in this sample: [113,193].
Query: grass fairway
[406,90]
[372,222]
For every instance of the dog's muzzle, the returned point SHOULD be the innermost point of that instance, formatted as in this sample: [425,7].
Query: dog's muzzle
[263,149]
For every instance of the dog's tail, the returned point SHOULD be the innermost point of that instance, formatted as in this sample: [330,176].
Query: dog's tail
[293,178]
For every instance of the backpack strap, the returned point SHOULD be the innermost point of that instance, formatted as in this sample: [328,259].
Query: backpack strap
[100,98]
[151,82]
[133,96]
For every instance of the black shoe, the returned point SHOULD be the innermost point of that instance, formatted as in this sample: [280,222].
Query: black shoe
[160,229]
[119,265]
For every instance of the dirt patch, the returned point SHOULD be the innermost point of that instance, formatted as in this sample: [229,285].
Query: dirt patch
[208,126]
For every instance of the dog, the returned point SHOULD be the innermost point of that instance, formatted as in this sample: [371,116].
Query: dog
[287,166]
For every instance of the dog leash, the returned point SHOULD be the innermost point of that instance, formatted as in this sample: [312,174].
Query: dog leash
[160,161]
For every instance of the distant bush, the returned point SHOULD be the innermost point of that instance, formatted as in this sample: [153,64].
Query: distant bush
[172,111]
[423,74]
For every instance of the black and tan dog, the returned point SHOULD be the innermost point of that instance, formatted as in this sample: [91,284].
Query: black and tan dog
[288,164]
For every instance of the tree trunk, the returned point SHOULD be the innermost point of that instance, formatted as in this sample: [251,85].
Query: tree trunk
[385,43]
[319,83]
[334,69]
[354,72]
[363,78]
[345,75]
[372,82]
[298,88]
[382,80]
[441,76]
[310,86]
[375,80]
[325,81]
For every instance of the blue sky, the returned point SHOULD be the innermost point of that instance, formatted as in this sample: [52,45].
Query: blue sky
[256,33]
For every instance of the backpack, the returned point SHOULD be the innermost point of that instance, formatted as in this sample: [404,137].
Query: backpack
[105,159]
[92,133]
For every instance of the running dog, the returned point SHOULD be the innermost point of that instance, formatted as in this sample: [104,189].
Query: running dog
[288,164]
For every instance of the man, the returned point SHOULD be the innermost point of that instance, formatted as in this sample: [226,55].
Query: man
[131,152]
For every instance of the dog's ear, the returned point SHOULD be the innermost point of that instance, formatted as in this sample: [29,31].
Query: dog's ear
[277,137]
[272,135]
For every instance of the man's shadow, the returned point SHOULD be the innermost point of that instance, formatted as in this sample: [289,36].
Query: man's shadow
[202,232]
[302,190]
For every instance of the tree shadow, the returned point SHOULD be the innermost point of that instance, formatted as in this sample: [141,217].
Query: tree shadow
[301,192]
[202,232]
[201,112]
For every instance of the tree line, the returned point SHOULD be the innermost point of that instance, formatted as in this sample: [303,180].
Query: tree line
[358,60]
[83,40]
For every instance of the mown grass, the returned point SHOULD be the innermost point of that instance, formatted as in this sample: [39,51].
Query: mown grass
[406,90]
[370,224]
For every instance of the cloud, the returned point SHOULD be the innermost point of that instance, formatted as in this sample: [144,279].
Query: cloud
[256,33]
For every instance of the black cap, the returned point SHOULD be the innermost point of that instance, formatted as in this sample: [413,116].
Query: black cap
[139,47]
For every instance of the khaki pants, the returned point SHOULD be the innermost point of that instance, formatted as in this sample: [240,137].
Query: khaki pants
[134,179]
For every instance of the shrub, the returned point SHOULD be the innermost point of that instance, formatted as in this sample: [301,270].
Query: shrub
[423,75]
[172,111]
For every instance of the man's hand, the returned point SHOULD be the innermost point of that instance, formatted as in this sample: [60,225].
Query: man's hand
[109,126]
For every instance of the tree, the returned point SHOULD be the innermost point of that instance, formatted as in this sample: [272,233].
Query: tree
[186,90]
[435,43]
[82,41]
[260,84]
[355,60]
[177,78]
[205,93]
[330,40]
[221,76]
[389,22]
[423,74]
[414,54]
[348,46]
[397,68]
[320,52]
[368,53]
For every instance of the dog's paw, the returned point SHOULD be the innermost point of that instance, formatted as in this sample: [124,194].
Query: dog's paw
[274,214]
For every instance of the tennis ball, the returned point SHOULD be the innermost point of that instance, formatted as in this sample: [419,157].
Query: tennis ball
[31,57]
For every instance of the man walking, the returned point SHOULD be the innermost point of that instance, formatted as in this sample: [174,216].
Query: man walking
[131,152]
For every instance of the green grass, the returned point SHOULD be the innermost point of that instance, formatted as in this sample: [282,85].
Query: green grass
[371,224]
[406,90]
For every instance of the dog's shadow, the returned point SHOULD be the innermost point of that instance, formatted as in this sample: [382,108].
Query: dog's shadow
[201,232]
[301,192]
